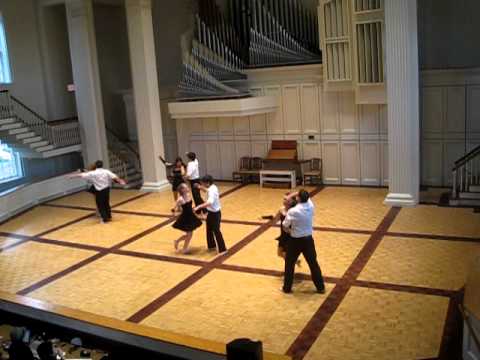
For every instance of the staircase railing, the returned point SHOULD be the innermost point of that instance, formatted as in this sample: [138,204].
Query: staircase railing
[466,172]
[123,150]
[59,135]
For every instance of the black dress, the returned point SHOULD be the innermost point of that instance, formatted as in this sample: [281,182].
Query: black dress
[284,236]
[187,221]
[177,178]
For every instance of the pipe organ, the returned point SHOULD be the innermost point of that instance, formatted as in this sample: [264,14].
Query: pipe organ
[250,34]
[352,37]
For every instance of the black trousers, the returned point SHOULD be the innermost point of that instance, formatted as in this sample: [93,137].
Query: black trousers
[197,197]
[102,199]
[214,235]
[305,246]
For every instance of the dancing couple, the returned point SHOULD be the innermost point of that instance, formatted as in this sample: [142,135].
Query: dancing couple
[296,238]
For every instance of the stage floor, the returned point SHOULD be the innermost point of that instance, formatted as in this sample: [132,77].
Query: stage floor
[392,275]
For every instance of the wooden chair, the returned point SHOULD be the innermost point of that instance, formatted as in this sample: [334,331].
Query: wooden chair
[257,165]
[244,172]
[314,173]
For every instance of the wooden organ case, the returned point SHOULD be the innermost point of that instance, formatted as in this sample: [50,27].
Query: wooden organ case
[283,155]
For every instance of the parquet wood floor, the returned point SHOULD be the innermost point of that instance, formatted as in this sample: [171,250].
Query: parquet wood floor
[393,275]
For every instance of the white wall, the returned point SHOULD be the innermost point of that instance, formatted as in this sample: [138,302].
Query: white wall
[21,29]
[58,65]
[448,33]
[351,139]
[114,64]
[450,121]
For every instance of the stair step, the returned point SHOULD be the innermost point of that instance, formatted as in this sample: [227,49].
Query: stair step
[474,188]
[6,121]
[469,195]
[44,148]
[21,130]
[465,202]
[31,139]
[11,126]
[38,144]
[25,135]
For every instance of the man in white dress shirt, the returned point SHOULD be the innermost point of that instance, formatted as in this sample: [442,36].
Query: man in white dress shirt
[193,175]
[299,223]
[101,179]
[214,214]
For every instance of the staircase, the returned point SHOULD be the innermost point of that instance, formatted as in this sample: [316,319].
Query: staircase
[124,161]
[466,180]
[31,135]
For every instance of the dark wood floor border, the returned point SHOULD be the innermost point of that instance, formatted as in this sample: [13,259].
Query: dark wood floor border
[165,258]
[451,338]
[404,288]
[69,244]
[433,237]
[273,273]
[343,230]
[60,274]
[304,341]
[74,207]
[14,245]
[139,196]
[139,213]
[59,227]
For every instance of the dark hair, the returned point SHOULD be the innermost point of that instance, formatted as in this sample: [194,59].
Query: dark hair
[98,164]
[191,156]
[45,351]
[207,179]
[179,159]
[303,195]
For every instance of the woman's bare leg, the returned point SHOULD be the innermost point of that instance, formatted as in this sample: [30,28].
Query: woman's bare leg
[178,241]
[188,238]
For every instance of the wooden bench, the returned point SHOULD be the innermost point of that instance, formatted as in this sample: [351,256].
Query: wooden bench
[287,176]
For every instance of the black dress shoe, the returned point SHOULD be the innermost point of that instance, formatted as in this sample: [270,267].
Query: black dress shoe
[321,291]
[286,291]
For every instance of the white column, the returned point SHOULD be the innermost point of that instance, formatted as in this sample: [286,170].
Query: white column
[88,94]
[403,102]
[146,93]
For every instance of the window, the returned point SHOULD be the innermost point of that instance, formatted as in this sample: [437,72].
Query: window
[10,164]
[5,74]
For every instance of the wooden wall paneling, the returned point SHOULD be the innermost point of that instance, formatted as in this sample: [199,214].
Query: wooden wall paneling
[331,162]
[348,113]
[194,126]
[241,125]
[455,112]
[228,159]
[432,163]
[225,127]
[291,108]
[310,109]
[473,112]
[311,149]
[384,161]
[258,124]
[433,111]
[275,120]
[259,148]
[383,119]
[370,163]
[198,147]
[330,114]
[242,148]
[210,127]
[212,157]
[369,119]
[452,150]
[350,160]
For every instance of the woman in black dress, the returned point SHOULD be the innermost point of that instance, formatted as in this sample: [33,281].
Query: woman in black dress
[178,173]
[187,221]
[288,202]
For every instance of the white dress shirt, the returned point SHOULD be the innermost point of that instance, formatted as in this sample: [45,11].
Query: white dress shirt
[213,199]
[192,170]
[100,178]
[300,219]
